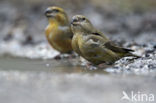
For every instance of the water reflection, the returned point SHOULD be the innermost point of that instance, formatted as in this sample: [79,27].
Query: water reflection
[54,66]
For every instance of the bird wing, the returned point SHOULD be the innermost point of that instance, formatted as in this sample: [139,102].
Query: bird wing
[95,43]
[98,33]
[110,45]
[94,51]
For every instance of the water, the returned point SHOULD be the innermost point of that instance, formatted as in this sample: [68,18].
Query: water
[51,81]
[28,74]
[40,65]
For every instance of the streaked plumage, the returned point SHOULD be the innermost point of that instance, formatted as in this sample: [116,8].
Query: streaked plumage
[93,45]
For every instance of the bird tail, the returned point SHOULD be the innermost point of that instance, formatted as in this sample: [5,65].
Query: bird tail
[133,55]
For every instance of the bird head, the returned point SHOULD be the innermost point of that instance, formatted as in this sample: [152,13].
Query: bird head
[56,14]
[81,24]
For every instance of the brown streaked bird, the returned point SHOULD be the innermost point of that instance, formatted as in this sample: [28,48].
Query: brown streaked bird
[93,45]
[58,31]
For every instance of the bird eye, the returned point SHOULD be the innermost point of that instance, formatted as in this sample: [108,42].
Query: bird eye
[83,19]
[56,10]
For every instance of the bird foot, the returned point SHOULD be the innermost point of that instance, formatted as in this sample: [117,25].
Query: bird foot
[64,56]
[104,65]
[91,67]
[58,57]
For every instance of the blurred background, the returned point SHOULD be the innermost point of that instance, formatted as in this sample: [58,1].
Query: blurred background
[130,18]
[28,74]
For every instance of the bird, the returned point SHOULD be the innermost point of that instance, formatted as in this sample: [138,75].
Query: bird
[93,45]
[58,32]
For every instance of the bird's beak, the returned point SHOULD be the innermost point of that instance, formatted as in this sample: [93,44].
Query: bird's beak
[48,13]
[74,23]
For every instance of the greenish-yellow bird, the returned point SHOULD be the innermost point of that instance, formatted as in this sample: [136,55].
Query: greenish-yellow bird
[93,45]
[58,31]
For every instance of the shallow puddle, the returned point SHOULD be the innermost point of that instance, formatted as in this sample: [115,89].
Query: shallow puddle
[63,81]
[50,65]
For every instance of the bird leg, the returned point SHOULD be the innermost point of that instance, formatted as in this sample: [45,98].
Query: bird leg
[65,56]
